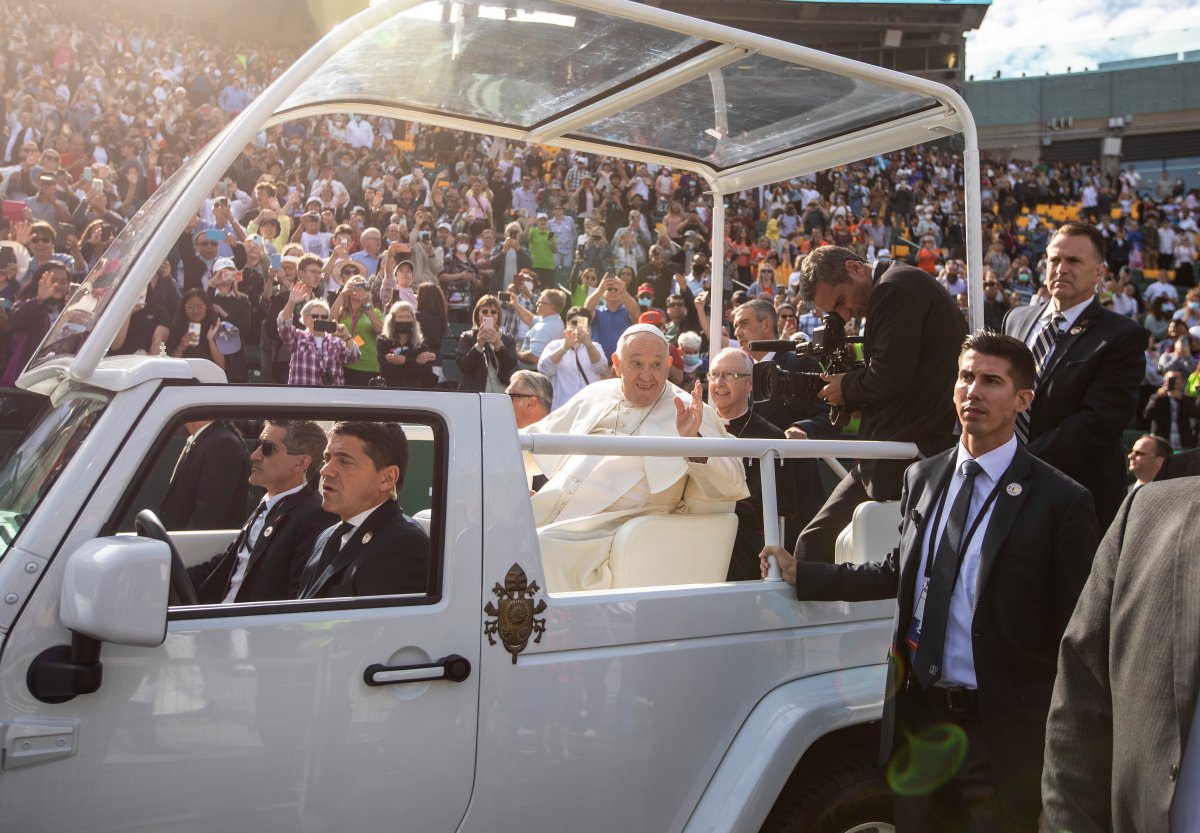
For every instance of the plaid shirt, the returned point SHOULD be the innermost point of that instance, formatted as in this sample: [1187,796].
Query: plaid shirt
[308,361]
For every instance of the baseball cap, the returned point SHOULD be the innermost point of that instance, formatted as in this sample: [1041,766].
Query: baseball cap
[541,215]
[228,337]
[45,179]
[406,260]
[646,288]
[223,263]
[648,322]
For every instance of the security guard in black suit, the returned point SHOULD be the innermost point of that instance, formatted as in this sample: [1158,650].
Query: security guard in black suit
[995,547]
[208,487]
[1090,363]
[264,562]
[376,550]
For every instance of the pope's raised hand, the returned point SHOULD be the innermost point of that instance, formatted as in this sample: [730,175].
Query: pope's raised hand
[688,416]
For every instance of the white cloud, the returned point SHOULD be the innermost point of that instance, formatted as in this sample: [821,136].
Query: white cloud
[1035,36]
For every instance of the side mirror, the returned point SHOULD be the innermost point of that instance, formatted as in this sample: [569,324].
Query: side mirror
[116,590]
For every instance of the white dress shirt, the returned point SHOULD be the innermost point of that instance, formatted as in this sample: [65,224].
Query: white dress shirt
[1071,314]
[958,659]
[243,554]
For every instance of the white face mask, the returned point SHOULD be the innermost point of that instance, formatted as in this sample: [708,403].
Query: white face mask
[529,286]
[463,248]
[691,361]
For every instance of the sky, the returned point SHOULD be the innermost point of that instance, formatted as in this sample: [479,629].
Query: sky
[1040,36]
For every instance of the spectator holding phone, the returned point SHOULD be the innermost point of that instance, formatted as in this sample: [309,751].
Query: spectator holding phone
[353,310]
[406,360]
[322,348]
[613,309]
[486,357]
[573,361]
[194,330]
[232,309]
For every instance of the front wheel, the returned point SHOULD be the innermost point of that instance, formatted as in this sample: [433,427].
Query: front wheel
[837,792]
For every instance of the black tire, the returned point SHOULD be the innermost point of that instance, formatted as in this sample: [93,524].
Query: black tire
[832,792]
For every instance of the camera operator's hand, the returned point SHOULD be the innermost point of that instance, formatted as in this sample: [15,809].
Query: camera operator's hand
[787,564]
[795,433]
[832,392]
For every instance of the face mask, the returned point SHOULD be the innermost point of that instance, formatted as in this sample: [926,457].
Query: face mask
[691,361]
[463,248]
[1194,306]
[1023,276]
[644,303]
[529,286]
[403,327]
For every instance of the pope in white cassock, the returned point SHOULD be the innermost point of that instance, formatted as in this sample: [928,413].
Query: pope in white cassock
[588,497]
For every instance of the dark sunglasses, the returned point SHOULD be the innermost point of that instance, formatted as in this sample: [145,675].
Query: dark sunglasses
[788,318]
[40,238]
[316,316]
[268,448]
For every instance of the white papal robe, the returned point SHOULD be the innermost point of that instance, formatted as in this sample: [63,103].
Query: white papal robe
[588,497]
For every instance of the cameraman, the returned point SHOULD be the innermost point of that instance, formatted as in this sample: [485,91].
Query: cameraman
[910,353]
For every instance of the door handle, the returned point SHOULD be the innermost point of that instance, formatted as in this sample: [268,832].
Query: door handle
[453,668]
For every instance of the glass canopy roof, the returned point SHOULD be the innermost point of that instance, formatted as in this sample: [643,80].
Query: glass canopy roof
[648,87]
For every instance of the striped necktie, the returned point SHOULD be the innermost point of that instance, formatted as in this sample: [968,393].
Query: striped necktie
[1042,350]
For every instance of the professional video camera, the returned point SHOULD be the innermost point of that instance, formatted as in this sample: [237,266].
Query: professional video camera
[829,346]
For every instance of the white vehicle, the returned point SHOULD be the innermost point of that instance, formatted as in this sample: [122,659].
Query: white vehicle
[484,703]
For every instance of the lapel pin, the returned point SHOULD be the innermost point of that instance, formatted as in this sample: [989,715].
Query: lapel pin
[268,531]
[367,538]
[1014,489]
[1076,330]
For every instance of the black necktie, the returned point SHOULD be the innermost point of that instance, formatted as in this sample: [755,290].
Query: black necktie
[328,553]
[927,662]
[1043,347]
[262,507]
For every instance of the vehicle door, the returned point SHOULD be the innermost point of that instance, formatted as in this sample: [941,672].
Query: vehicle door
[258,716]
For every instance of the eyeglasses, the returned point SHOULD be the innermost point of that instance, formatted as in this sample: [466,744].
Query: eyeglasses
[726,376]
[520,395]
[40,238]
[676,304]
[788,318]
[268,448]
[316,316]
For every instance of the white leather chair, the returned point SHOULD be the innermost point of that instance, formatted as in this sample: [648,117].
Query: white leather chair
[872,533]
[685,548]
[424,518]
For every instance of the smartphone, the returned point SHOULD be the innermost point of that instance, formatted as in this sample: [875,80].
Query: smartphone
[1171,383]
[87,174]
[98,186]
[7,257]
[325,326]
[487,322]
[424,235]
[505,297]
[276,260]
[214,234]
[194,330]
[64,230]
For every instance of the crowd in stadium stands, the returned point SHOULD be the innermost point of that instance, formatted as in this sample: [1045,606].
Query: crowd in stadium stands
[362,250]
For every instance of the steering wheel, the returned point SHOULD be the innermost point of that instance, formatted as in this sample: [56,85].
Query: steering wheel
[183,592]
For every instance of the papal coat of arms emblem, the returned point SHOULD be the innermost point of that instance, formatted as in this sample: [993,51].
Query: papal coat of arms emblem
[515,619]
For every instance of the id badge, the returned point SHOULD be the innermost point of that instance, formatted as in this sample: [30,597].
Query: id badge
[359,341]
[913,638]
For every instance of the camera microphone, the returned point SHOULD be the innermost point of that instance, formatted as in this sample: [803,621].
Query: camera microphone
[784,345]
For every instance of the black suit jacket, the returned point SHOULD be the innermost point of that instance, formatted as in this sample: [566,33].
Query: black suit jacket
[1086,396]
[209,486]
[798,497]
[1158,413]
[278,556]
[1184,464]
[905,388]
[387,555]
[1036,554]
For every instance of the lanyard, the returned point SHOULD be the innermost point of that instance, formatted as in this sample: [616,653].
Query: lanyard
[354,316]
[937,520]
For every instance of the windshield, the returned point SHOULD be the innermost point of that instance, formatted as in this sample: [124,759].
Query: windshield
[81,313]
[34,463]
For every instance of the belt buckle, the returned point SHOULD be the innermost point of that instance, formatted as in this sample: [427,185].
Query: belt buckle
[959,700]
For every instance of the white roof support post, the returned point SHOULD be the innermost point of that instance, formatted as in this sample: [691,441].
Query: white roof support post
[974,225]
[716,293]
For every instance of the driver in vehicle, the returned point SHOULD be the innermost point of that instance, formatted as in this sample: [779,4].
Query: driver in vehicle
[264,562]
[376,550]
[588,497]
